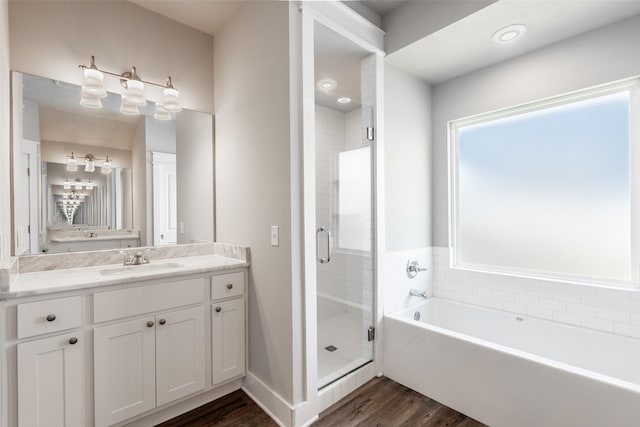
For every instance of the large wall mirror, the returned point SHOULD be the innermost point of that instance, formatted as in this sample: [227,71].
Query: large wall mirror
[97,178]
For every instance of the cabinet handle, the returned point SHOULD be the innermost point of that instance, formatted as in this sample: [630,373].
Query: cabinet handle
[218,309]
[229,286]
[162,321]
[150,324]
[51,317]
[73,340]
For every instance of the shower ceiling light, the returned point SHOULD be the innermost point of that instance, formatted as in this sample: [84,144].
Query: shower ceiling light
[509,33]
[327,84]
[133,97]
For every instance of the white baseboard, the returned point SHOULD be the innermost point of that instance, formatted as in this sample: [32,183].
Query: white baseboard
[267,399]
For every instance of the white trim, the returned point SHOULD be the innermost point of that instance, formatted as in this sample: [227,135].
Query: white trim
[348,23]
[633,86]
[268,400]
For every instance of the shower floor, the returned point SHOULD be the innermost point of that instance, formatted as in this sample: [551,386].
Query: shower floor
[346,333]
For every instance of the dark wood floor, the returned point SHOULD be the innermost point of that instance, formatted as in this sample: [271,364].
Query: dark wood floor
[381,403]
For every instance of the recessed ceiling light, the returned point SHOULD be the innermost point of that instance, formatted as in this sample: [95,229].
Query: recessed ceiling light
[327,84]
[509,33]
[344,100]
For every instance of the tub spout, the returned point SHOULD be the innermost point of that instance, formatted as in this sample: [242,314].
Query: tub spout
[416,293]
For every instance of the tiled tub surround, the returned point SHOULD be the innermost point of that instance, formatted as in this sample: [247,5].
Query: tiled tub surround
[42,274]
[600,308]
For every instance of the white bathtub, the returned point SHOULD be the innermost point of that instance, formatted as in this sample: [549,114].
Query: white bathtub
[508,370]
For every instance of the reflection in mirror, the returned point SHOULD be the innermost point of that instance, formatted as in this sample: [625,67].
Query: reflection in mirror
[90,179]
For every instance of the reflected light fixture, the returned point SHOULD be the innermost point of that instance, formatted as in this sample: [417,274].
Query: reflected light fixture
[89,185]
[78,185]
[509,33]
[161,113]
[106,166]
[327,84]
[133,96]
[344,100]
[89,163]
[67,185]
[72,163]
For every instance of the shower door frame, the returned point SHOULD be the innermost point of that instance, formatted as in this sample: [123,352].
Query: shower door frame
[344,21]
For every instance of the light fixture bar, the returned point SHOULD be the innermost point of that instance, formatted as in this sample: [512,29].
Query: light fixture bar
[127,76]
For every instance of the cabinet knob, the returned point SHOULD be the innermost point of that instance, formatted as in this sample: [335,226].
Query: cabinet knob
[51,317]
[218,309]
[162,321]
[229,286]
[150,324]
[73,340]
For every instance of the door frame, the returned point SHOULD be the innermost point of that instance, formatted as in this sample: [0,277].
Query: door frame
[344,21]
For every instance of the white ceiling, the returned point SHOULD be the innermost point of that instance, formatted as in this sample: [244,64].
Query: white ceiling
[466,45]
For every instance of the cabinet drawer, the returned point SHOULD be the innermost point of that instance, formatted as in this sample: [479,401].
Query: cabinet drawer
[122,303]
[43,317]
[227,285]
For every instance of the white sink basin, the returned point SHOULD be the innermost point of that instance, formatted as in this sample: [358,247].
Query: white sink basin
[142,268]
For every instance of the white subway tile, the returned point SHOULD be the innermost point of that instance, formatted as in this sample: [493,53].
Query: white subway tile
[581,309]
[515,308]
[492,303]
[564,317]
[614,315]
[542,313]
[528,300]
[599,324]
[552,304]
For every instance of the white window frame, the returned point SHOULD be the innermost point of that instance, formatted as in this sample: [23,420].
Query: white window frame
[632,85]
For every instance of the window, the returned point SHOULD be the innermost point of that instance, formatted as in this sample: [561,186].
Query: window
[546,189]
[354,199]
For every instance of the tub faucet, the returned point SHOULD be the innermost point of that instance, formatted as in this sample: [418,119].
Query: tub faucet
[416,293]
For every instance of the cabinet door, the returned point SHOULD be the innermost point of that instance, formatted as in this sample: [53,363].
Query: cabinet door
[228,340]
[124,370]
[179,354]
[50,382]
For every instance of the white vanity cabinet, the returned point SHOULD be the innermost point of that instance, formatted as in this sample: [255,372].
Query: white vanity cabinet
[228,336]
[50,370]
[130,353]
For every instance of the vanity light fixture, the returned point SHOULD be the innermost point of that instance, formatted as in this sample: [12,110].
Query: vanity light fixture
[78,185]
[72,163]
[344,100]
[67,184]
[133,97]
[106,166]
[89,185]
[509,33]
[89,163]
[161,113]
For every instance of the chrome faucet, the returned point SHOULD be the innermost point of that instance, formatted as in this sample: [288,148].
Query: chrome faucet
[413,268]
[416,293]
[137,258]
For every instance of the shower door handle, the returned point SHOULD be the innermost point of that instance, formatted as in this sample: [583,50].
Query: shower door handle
[320,259]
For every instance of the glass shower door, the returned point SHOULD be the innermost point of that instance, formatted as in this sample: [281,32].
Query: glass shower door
[344,207]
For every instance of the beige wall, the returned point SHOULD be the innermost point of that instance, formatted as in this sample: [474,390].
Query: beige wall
[407,159]
[5,142]
[251,73]
[194,176]
[50,39]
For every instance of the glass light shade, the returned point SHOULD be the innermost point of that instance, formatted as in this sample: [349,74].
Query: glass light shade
[106,167]
[134,93]
[93,83]
[78,185]
[66,186]
[127,108]
[81,196]
[72,164]
[90,101]
[171,101]
[89,166]
[89,185]
[161,113]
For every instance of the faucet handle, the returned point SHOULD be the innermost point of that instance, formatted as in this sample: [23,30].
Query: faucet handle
[146,253]
[413,268]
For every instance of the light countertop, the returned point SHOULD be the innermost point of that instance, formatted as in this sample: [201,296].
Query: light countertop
[50,281]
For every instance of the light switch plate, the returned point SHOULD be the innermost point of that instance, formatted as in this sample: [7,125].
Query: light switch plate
[275,235]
